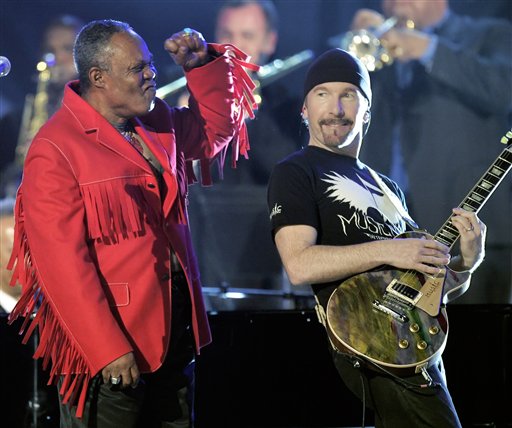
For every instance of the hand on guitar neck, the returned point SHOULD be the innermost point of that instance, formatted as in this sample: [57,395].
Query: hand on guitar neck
[472,240]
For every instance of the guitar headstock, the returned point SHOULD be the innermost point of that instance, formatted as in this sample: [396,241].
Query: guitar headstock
[507,138]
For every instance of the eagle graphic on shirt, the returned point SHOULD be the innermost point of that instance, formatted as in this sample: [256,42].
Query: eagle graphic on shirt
[363,195]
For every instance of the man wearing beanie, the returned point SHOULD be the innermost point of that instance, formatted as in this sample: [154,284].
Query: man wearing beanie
[332,218]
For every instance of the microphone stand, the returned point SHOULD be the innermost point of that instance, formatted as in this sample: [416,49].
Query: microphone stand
[34,405]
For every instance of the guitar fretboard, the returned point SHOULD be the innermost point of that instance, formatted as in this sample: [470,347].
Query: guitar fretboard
[476,198]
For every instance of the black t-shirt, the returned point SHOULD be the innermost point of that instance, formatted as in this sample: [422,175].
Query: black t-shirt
[337,196]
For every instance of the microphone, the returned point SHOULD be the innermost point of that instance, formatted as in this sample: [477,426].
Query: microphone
[5,66]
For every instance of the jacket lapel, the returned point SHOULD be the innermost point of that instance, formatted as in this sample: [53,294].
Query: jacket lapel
[166,159]
[93,122]
[110,138]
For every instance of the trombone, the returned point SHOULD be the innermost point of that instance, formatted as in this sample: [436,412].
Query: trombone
[267,74]
[366,44]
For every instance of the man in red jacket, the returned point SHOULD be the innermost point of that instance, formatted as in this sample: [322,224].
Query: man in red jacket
[102,245]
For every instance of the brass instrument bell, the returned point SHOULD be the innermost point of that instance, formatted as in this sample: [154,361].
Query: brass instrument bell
[366,44]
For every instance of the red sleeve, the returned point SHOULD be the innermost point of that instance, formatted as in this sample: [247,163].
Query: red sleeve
[221,98]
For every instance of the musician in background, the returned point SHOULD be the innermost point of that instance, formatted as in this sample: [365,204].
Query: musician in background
[57,53]
[332,218]
[252,262]
[59,39]
[252,26]
[440,111]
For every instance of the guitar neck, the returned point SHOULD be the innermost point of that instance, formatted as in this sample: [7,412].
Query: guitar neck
[480,193]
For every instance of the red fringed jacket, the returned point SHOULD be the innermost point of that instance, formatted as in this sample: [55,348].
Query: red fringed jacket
[93,233]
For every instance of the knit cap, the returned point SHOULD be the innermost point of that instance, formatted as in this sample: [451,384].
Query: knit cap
[337,65]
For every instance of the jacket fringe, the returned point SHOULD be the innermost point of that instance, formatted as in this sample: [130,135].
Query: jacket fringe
[245,101]
[55,342]
[112,214]
[245,104]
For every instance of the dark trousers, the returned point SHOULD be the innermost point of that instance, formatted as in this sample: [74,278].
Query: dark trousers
[163,399]
[400,403]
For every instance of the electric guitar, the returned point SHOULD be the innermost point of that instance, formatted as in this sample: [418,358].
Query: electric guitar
[395,319]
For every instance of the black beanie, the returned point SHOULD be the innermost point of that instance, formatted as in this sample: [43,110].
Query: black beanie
[337,65]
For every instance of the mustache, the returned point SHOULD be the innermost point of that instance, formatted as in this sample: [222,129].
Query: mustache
[336,121]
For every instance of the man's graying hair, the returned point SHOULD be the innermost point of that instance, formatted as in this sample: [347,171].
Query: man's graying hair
[91,47]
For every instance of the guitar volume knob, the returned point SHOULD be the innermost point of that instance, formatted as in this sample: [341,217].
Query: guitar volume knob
[433,330]
[414,328]
[421,345]
[403,343]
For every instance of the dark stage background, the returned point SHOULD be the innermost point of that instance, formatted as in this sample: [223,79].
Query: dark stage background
[272,369]
[265,368]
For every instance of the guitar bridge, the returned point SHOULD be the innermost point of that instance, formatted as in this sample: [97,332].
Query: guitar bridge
[390,311]
[404,292]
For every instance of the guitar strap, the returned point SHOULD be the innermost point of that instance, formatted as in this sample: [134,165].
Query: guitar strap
[393,199]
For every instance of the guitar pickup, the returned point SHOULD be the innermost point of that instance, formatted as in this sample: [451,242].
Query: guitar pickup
[404,292]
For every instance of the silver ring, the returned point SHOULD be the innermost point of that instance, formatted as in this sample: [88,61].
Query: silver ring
[469,229]
[115,380]
[188,32]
